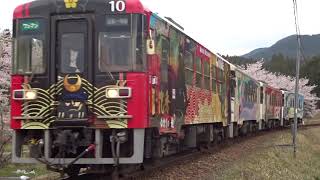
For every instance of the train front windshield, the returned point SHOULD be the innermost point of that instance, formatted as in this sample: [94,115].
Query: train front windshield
[29,47]
[120,43]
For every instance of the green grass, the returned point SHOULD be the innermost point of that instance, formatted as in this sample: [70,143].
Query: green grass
[17,170]
[314,120]
[277,162]
[12,169]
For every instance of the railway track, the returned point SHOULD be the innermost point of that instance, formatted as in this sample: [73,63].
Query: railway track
[185,156]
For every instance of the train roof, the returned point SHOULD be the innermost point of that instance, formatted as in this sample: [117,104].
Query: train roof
[48,7]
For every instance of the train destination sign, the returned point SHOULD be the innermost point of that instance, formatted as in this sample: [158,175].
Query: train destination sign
[30,25]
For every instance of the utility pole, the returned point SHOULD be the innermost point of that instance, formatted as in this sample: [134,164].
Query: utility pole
[295,125]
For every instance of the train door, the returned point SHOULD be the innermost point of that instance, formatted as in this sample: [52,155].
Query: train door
[166,116]
[267,101]
[282,109]
[261,106]
[73,73]
[233,86]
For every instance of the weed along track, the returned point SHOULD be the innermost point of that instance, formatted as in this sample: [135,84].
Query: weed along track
[209,160]
[213,163]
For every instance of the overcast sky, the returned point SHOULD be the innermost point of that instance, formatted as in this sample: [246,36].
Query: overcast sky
[232,27]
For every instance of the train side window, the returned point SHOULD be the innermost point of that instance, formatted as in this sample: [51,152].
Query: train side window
[246,92]
[206,67]
[164,60]
[255,94]
[198,72]
[188,67]
[214,78]
[232,86]
[233,83]
[220,79]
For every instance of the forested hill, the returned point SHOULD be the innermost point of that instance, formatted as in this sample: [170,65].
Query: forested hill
[288,48]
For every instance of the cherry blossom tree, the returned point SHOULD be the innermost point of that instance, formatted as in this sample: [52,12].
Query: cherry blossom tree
[5,68]
[284,82]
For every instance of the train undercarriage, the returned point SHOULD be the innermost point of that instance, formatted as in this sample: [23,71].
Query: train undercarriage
[110,150]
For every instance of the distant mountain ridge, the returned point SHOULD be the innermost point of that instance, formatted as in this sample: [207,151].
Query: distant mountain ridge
[288,48]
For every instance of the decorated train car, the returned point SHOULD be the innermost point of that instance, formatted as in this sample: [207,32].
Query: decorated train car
[272,105]
[246,102]
[108,83]
[288,107]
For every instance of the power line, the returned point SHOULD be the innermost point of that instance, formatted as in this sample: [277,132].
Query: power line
[298,32]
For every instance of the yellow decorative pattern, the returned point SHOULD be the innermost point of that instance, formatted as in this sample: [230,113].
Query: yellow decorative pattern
[103,106]
[41,111]
[71,3]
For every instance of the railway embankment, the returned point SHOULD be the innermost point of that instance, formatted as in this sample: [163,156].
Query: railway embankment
[265,156]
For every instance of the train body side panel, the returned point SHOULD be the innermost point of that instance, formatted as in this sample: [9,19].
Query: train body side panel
[246,99]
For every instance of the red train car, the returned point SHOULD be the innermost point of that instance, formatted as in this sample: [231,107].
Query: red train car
[80,82]
[271,109]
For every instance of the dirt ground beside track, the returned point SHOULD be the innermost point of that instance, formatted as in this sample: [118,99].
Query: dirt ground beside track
[260,157]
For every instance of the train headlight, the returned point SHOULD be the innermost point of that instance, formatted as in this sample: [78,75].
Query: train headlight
[112,93]
[31,95]
[121,92]
[23,94]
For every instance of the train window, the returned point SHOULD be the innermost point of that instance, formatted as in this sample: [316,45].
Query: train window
[121,46]
[140,45]
[221,76]
[246,92]
[219,82]
[254,94]
[198,72]
[261,95]
[214,79]
[188,67]
[37,56]
[233,85]
[206,66]
[29,47]
[214,85]
[115,49]
[164,60]
[214,72]
[72,53]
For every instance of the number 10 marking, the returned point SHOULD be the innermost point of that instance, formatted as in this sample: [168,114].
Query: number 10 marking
[117,5]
